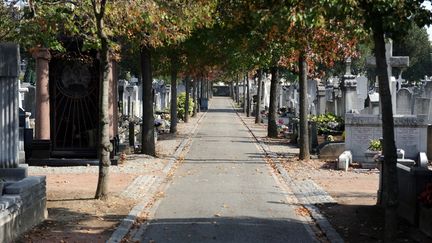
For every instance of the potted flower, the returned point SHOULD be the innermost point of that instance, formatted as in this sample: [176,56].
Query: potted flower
[373,151]
[425,212]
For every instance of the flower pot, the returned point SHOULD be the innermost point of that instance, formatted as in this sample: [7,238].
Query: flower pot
[370,161]
[425,220]
[371,156]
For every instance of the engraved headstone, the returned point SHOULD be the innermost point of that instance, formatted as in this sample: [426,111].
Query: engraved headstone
[423,106]
[404,102]
[427,91]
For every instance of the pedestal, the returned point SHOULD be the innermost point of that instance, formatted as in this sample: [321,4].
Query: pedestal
[41,149]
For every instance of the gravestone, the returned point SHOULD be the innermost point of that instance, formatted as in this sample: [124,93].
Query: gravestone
[427,91]
[423,106]
[410,134]
[362,91]
[373,104]
[404,102]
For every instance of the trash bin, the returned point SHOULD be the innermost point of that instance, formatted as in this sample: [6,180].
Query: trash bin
[203,104]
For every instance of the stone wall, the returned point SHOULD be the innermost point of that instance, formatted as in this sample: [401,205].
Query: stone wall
[410,133]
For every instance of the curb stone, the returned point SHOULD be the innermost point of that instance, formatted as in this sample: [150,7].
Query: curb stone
[127,223]
[302,194]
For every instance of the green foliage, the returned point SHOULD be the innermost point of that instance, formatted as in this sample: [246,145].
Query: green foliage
[375,145]
[415,44]
[328,123]
[9,21]
[181,101]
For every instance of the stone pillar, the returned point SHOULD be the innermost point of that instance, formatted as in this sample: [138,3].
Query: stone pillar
[9,72]
[349,88]
[321,98]
[42,122]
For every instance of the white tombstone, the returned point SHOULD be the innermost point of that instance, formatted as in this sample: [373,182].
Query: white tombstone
[362,91]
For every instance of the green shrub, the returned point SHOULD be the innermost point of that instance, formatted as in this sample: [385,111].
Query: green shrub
[375,145]
[181,100]
[328,123]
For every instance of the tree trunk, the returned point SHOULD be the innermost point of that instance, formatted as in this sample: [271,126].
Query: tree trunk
[304,131]
[244,95]
[258,103]
[389,188]
[148,136]
[194,97]
[199,94]
[186,117]
[209,89]
[272,126]
[105,146]
[173,126]
[248,102]
[237,91]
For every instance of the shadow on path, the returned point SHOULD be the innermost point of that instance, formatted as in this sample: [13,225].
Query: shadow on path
[224,229]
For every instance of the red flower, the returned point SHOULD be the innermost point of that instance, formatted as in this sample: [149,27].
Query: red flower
[425,197]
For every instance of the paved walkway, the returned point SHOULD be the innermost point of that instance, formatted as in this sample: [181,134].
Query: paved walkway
[224,191]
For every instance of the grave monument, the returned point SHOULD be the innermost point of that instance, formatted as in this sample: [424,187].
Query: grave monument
[67,107]
[22,198]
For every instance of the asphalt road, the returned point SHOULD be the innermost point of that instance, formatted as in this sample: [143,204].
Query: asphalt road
[224,191]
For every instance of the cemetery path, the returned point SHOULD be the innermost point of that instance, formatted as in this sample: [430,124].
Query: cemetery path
[224,191]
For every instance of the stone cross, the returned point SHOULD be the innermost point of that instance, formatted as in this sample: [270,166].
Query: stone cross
[392,61]
[9,72]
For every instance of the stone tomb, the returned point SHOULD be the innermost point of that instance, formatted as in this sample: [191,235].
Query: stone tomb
[67,108]
[22,198]
[410,134]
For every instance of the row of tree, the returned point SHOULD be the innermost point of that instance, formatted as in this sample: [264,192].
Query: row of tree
[210,40]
